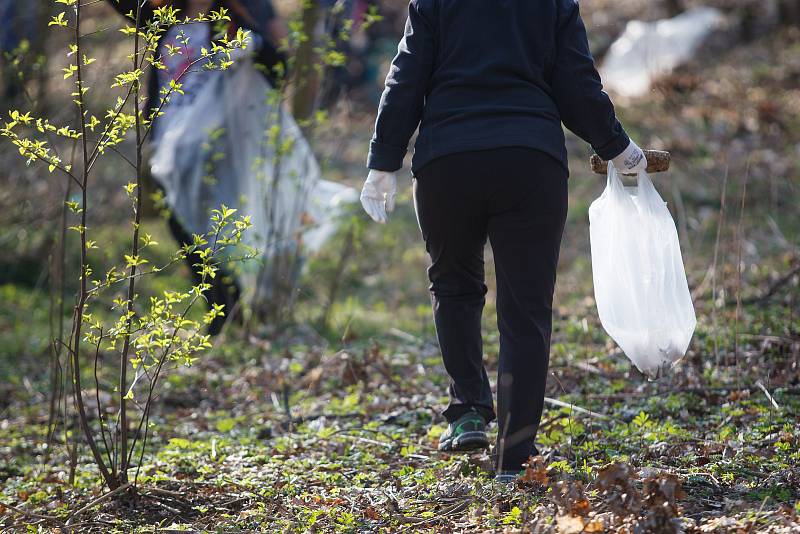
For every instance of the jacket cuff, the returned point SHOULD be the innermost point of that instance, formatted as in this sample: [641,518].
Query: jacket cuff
[615,147]
[385,158]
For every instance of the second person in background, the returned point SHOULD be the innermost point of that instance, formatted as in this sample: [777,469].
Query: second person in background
[489,83]
[180,48]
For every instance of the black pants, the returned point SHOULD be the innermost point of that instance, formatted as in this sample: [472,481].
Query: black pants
[224,289]
[517,197]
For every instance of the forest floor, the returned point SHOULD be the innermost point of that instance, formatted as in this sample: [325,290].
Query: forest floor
[332,425]
[302,439]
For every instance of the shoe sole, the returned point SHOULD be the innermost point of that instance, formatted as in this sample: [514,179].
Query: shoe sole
[468,441]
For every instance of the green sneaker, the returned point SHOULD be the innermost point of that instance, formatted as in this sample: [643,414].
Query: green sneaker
[507,477]
[466,433]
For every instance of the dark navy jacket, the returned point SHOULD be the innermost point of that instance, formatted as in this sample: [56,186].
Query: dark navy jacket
[480,74]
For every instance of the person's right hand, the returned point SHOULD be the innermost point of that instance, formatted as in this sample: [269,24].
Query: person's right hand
[631,161]
[377,196]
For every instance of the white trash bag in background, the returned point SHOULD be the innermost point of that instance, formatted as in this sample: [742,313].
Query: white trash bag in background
[236,144]
[639,281]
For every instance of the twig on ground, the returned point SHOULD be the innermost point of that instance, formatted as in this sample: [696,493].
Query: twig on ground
[771,400]
[754,520]
[588,367]
[168,493]
[454,509]
[310,417]
[372,441]
[405,336]
[33,515]
[562,404]
[771,291]
[98,501]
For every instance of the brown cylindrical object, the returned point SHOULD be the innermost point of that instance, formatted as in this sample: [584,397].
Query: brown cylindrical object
[657,161]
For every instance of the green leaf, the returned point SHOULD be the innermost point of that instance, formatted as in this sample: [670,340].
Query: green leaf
[226,425]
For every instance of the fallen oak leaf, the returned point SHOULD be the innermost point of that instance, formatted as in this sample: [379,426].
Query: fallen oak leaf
[535,473]
[371,513]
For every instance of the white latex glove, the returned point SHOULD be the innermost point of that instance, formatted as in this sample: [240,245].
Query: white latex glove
[631,161]
[377,195]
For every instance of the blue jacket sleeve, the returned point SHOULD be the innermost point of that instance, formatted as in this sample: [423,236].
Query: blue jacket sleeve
[403,98]
[577,90]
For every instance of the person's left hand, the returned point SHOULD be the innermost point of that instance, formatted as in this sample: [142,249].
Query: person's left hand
[377,195]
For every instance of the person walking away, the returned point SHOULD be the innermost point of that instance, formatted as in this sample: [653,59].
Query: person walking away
[187,42]
[489,84]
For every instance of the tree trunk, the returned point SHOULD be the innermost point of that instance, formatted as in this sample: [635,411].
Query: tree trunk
[306,68]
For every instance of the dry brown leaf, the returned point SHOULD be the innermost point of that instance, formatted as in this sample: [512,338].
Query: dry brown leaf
[569,496]
[595,525]
[569,524]
[535,472]
[615,483]
[371,513]
[661,493]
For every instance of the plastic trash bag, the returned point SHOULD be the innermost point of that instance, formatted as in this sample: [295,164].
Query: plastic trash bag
[647,50]
[237,145]
[640,285]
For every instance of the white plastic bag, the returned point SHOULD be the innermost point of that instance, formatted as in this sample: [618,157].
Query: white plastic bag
[237,145]
[639,282]
[647,50]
